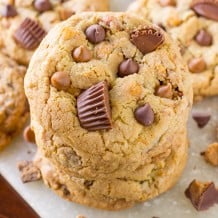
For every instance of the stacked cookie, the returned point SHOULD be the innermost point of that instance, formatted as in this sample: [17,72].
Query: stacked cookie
[194,25]
[23,25]
[109,95]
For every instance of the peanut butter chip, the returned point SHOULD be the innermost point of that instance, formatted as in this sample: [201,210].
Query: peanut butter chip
[164,91]
[60,80]
[197,65]
[165,3]
[82,54]
[29,135]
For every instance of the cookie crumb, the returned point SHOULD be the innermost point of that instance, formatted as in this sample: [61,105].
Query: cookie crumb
[211,154]
[29,172]
[203,195]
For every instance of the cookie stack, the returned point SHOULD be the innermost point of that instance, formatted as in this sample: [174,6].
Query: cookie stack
[23,25]
[109,97]
[194,25]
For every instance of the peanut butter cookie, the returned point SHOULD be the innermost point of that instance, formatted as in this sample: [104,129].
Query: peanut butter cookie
[110,96]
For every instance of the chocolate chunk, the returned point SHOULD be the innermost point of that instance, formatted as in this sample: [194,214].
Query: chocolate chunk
[94,108]
[164,91]
[42,5]
[29,34]
[201,118]
[144,115]
[211,154]
[206,8]
[147,39]
[29,135]
[197,65]
[128,67]
[202,195]
[82,54]
[29,172]
[95,33]
[61,81]
[9,11]
[204,38]
[165,3]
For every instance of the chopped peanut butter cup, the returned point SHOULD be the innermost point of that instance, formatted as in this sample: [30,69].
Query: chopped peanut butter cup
[94,108]
[206,8]
[147,39]
[29,34]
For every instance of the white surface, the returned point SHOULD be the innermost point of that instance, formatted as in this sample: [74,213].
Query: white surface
[173,204]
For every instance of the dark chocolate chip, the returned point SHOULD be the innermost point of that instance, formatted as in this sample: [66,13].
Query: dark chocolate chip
[206,8]
[42,5]
[9,11]
[201,118]
[128,67]
[60,80]
[202,195]
[93,107]
[147,39]
[29,34]
[204,38]
[144,115]
[95,33]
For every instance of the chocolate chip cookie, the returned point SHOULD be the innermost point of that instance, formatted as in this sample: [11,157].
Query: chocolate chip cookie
[13,104]
[194,24]
[24,23]
[109,97]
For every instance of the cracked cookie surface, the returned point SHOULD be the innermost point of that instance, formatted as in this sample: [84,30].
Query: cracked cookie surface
[99,60]
[13,104]
[45,15]
[197,35]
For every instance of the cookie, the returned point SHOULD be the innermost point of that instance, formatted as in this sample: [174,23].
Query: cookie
[13,103]
[196,31]
[109,97]
[24,23]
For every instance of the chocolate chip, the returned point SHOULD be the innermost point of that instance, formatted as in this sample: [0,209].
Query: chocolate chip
[144,115]
[165,3]
[29,172]
[202,195]
[204,38]
[164,91]
[147,39]
[128,67]
[60,80]
[82,54]
[9,11]
[201,118]
[29,34]
[95,33]
[206,8]
[197,65]
[94,108]
[42,5]
[29,135]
